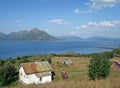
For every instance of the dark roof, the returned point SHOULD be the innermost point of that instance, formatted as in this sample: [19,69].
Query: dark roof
[36,67]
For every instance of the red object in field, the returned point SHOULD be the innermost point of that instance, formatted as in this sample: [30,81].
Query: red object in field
[64,75]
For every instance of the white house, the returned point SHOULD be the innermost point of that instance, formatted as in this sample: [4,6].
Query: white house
[35,72]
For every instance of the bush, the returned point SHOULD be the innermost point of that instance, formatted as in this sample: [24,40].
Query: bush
[7,75]
[1,62]
[99,67]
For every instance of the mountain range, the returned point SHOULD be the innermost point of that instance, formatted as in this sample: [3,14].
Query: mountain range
[70,38]
[39,35]
[103,38]
[34,34]
[95,38]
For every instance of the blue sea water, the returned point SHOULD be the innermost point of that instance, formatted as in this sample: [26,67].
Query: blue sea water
[24,48]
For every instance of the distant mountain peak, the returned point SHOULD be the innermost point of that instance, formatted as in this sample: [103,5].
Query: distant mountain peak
[33,34]
[35,30]
[1,32]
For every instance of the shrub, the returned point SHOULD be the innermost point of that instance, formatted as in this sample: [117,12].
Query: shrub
[7,75]
[99,67]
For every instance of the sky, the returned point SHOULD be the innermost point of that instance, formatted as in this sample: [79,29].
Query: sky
[83,18]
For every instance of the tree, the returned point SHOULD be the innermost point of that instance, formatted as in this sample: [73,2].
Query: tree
[48,59]
[24,60]
[18,58]
[11,60]
[1,62]
[99,67]
[7,74]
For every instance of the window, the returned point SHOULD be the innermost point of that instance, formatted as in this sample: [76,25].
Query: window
[40,78]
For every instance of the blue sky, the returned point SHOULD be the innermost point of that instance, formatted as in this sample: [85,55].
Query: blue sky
[84,18]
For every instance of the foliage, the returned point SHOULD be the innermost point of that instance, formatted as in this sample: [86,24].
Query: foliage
[24,60]
[69,54]
[47,59]
[7,74]
[11,60]
[116,51]
[1,62]
[99,67]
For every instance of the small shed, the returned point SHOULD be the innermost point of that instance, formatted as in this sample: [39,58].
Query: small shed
[68,62]
[116,64]
[35,72]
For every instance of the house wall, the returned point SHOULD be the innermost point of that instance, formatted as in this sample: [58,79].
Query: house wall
[27,79]
[32,78]
[44,79]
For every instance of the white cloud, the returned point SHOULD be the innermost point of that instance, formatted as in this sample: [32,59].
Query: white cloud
[18,21]
[72,33]
[77,11]
[100,4]
[95,5]
[66,23]
[103,28]
[107,24]
[100,25]
[58,21]
[117,22]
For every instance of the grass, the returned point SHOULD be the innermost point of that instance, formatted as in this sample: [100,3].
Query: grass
[78,77]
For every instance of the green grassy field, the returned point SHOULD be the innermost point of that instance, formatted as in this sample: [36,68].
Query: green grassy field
[78,77]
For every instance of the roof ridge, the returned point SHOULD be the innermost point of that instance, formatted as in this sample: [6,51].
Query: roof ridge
[36,67]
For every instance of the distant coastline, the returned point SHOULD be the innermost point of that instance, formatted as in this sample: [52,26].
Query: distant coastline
[105,47]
